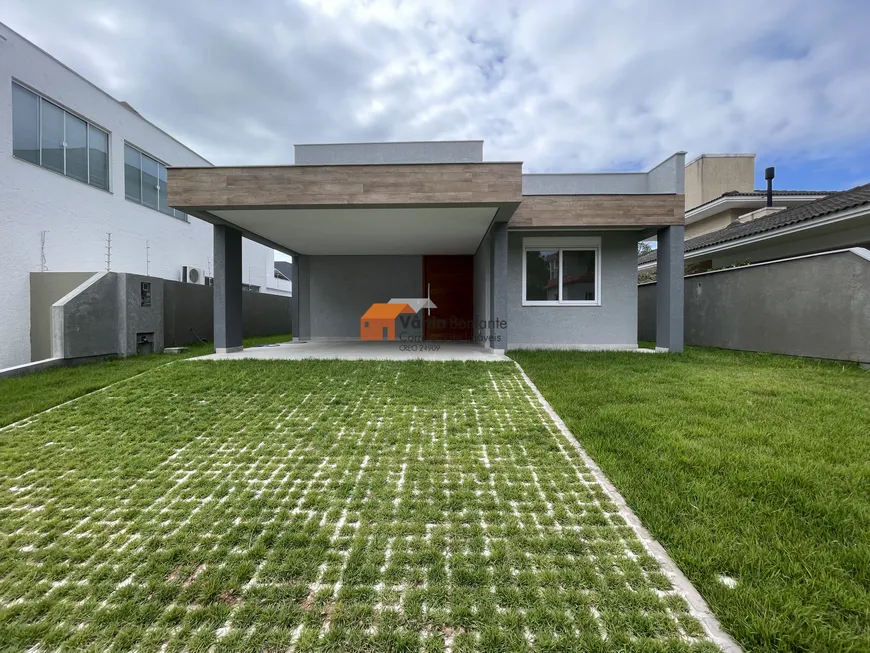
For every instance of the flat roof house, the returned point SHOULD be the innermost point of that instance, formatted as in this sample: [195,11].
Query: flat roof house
[509,260]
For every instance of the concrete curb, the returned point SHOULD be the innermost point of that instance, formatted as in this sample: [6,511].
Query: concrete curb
[697,605]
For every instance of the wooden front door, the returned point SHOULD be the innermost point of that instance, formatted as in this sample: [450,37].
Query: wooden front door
[449,282]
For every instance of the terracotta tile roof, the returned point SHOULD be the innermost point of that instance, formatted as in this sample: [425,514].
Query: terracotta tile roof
[833,203]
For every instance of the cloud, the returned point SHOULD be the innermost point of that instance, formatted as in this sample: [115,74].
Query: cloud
[559,85]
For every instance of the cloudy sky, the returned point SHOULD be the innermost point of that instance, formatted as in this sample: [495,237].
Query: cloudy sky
[562,86]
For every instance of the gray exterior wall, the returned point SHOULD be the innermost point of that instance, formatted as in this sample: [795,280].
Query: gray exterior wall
[45,289]
[367,153]
[84,322]
[666,178]
[816,306]
[342,288]
[133,318]
[611,325]
[482,273]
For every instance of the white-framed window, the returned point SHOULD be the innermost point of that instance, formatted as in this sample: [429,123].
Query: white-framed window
[145,181]
[48,135]
[562,271]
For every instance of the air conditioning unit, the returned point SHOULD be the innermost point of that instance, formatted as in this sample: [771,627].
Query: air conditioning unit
[190,274]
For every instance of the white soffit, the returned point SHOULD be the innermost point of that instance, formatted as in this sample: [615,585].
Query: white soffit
[368,231]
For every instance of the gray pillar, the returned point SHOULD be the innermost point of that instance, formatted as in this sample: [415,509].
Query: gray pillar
[499,279]
[669,289]
[227,289]
[294,298]
[302,297]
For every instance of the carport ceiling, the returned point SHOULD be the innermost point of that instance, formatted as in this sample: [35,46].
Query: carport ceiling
[393,231]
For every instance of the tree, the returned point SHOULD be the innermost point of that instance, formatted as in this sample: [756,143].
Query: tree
[644,247]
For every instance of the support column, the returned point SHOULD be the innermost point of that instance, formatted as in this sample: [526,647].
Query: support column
[499,278]
[302,280]
[227,289]
[669,289]
[294,297]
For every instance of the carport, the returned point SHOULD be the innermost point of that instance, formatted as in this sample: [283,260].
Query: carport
[370,223]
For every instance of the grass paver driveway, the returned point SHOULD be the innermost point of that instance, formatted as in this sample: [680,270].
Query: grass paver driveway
[319,505]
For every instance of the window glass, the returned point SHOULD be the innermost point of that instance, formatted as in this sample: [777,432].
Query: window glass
[161,191]
[25,124]
[132,174]
[578,275]
[52,136]
[149,182]
[76,147]
[98,154]
[542,275]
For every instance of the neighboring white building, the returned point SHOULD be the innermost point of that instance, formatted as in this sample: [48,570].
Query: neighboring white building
[75,166]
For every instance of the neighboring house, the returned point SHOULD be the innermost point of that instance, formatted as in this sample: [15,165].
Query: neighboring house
[84,189]
[721,187]
[510,260]
[284,276]
[837,221]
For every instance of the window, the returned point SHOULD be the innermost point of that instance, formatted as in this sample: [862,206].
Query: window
[563,271]
[145,182]
[45,134]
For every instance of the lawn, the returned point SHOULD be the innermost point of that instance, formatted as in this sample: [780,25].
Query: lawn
[319,505]
[25,396]
[748,468]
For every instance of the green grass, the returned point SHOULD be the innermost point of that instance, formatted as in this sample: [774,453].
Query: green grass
[319,505]
[750,466]
[25,396]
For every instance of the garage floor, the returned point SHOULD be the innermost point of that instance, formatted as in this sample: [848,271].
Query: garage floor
[397,351]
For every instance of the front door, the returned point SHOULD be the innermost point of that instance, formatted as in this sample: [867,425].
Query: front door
[449,282]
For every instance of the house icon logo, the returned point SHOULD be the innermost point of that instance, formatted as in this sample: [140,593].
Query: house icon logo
[379,321]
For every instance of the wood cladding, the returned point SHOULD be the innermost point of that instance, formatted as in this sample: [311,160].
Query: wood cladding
[345,184]
[599,211]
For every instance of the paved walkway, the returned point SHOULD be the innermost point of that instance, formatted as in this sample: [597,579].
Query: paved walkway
[394,351]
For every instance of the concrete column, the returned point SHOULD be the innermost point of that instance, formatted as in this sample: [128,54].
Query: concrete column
[227,289]
[294,298]
[499,279]
[302,280]
[669,289]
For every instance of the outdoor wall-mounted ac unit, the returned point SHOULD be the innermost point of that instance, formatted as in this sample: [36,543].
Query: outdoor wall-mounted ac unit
[190,274]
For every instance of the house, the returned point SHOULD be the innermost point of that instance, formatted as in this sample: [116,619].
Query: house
[379,322]
[839,220]
[721,187]
[508,260]
[84,189]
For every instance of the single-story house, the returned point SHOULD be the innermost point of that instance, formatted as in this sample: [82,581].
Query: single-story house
[509,260]
[837,221]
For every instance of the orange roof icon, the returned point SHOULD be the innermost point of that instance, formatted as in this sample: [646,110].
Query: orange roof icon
[387,311]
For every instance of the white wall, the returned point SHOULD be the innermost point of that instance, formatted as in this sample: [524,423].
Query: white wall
[76,216]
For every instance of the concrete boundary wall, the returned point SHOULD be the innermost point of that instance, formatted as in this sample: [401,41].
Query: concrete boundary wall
[188,312]
[120,314]
[816,306]
[84,321]
[45,289]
